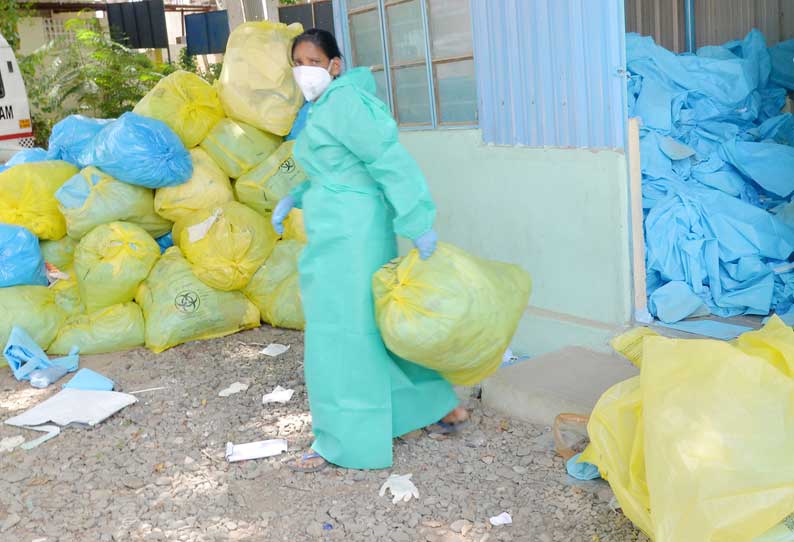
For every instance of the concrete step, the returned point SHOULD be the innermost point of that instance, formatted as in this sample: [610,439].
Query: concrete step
[568,380]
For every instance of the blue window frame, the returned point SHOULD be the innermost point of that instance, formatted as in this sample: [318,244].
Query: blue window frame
[421,53]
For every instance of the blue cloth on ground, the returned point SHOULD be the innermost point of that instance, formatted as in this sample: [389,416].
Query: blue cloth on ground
[21,261]
[716,157]
[582,471]
[86,379]
[26,156]
[25,356]
[165,242]
[71,136]
[141,151]
[708,328]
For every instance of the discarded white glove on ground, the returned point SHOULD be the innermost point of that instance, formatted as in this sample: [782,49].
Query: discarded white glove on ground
[401,487]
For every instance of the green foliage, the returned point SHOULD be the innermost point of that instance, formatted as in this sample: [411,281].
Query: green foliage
[11,12]
[85,72]
[187,62]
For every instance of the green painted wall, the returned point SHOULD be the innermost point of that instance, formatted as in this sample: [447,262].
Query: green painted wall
[562,214]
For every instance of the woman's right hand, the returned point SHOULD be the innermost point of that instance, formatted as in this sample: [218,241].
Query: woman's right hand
[280,213]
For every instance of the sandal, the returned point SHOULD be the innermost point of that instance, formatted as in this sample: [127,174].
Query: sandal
[444,428]
[306,463]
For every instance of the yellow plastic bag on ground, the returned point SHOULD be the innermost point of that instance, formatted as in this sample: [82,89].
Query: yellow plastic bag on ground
[226,244]
[453,313]
[293,227]
[59,253]
[186,103]
[237,147]
[256,84]
[112,329]
[209,186]
[275,289]
[32,308]
[92,198]
[110,263]
[178,307]
[263,187]
[27,197]
[699,446]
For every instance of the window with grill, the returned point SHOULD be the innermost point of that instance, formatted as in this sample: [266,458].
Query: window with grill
[420,52]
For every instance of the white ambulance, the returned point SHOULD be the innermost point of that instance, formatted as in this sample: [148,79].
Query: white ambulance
[15,126]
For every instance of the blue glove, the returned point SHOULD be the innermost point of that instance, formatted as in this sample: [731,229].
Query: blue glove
[426,244]
[280,213]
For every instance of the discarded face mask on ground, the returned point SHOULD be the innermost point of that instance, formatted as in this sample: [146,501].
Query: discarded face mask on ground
[698,447]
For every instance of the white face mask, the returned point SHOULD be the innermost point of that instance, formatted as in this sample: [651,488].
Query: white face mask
[312,80]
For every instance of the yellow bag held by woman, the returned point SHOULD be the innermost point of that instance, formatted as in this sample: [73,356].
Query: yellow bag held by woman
[111,262]
[92,198]
[32,308]
[186,103]
[237,147]
[226,244]
[178,307]
[264,186]
[275,289]
[453,313]
[256,84]
[27,197]
[112,329]
[209,186]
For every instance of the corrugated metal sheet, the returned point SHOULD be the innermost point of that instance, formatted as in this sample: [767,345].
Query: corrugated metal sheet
[716,21]
[550,73]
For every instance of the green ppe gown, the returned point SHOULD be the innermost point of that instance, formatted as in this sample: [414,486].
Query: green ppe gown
[363,187]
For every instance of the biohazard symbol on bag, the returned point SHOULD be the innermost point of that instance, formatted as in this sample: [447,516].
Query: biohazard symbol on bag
[288,166]
[187,302]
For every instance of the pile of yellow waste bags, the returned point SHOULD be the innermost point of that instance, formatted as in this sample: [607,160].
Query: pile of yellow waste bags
[175,243]
[698,447]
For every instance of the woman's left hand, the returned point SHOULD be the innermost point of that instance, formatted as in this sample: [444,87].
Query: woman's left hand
[426,244]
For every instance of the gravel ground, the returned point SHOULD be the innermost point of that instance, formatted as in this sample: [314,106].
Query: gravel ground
[156,470]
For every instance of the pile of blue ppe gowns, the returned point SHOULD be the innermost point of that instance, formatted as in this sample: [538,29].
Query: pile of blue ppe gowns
[717,160]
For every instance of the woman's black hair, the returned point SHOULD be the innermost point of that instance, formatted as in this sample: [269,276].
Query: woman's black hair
[322,39]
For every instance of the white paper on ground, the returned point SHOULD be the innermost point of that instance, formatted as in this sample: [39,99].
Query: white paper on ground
[199,231]
[255,450]
[502,519]
[237,387]
[71,405]
[274,350]
[278,395]
[8,444]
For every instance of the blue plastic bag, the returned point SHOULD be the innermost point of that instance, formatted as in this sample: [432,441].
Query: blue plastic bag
[26,156]
[165,242]
[21,262]
[71,136]
[141,151]
[24,356]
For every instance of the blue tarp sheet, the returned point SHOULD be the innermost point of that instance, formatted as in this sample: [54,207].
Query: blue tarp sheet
[718,175]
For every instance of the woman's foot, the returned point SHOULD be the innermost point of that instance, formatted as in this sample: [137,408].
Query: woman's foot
[309,462]
[451,423]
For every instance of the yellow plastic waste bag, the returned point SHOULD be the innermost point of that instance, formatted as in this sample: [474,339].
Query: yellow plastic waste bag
[630,343]
[237,147]
[32,308]
[453,313]
[92,198]
[112,329]
[59,253]
[275,289]
[67,294]
[209,186]
[111,262]
[294,229]
[274,178]
[186,103]
[699,447]
[178,307]
[256,84]
[226,244]
[27,197]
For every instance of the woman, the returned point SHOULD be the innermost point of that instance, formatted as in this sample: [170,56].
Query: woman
[363,188]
